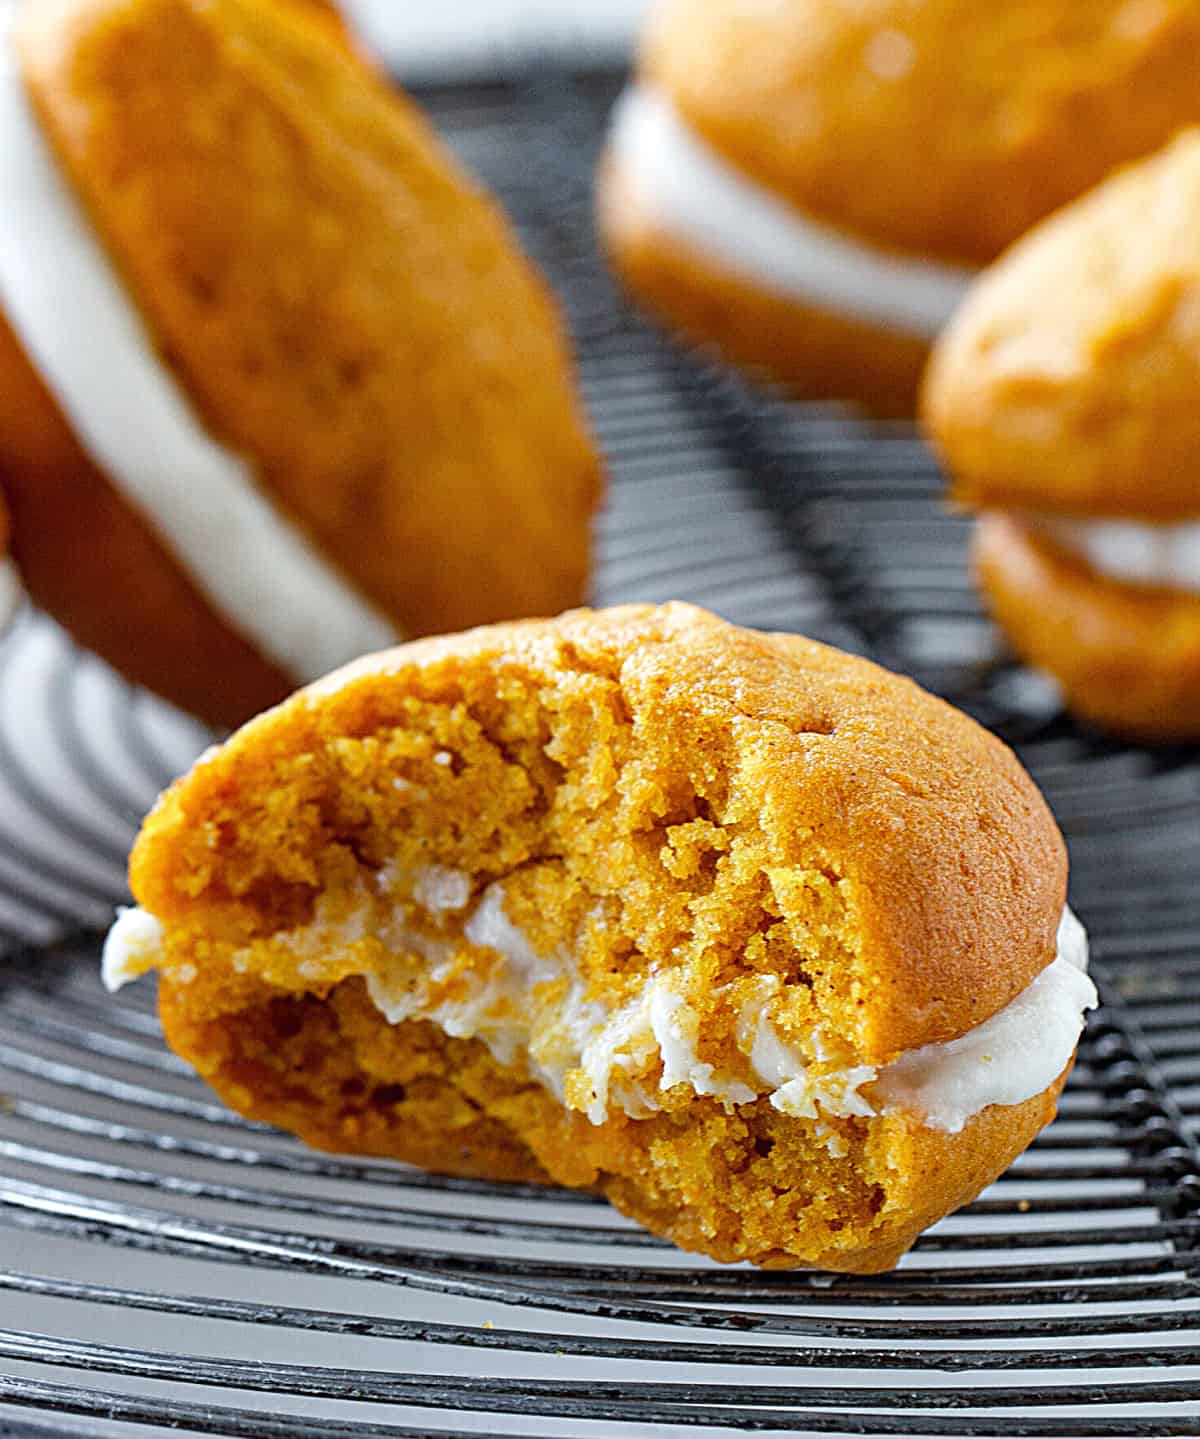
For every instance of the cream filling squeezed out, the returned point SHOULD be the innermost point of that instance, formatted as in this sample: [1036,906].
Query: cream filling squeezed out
[1126,550]
[719,213]
[595,1057]
[77,325]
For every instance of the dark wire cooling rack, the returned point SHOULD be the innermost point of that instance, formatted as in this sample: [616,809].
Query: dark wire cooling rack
[168,1267]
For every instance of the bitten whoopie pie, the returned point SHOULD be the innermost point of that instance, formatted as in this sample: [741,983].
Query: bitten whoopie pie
[809,184]
[277,386]
[761,941]
[1063,400]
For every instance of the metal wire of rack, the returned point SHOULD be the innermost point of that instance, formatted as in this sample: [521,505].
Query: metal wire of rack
[168,1267]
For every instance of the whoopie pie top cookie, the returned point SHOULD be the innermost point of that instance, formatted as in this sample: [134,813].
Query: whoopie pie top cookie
[764,942]
[943,127]
[276,384]
[1067,381]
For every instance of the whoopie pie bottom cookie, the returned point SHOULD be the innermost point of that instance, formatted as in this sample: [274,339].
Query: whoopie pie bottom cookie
[1126,656]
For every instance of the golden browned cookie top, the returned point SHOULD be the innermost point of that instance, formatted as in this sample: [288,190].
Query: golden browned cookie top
[691,791]
[339,301]
[941,126]
[1068,380]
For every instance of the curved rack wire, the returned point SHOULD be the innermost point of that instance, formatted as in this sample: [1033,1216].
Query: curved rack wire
[168,1267]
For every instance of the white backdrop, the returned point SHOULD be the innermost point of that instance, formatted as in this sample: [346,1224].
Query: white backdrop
[482,35]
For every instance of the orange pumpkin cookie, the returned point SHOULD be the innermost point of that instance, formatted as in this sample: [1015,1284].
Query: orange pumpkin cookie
[808,183]
[276,385]
[761,941]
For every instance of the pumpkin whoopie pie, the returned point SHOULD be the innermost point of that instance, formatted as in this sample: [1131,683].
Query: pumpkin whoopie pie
[762,941]
[277,386]
[809,184]
[1063,399]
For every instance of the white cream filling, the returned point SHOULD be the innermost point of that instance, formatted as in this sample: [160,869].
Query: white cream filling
[1126,550]
[593,1056]
[750,232]
[132,948]
[1007,1059]
[67,306]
